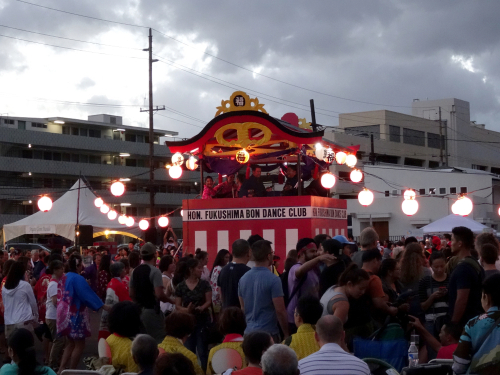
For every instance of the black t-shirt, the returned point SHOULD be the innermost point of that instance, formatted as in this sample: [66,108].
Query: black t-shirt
[466,276]
[330,275]
[228,280]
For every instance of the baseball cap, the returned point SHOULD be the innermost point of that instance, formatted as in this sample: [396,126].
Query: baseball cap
[333,246]
[342,239]
[148,249]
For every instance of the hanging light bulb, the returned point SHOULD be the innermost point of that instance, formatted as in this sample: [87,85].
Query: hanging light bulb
[177,159]
[144,224]
[409,194]
[122,219]
[463,206]
[242,156]
[104,208]
[365,197]
[175,172]
[328,180]
[191,163]
[410,207]
[163,221]
[112,215]
[351,160]
[117,188]
[45,204]
[356,175]
[340,157]
[130,221]
[98,202]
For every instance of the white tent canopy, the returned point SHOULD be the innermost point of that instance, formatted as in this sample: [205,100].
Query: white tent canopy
[61,219]
[447,223]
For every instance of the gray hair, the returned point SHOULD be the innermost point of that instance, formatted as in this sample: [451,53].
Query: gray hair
[279,360]
[115,269]
[144,351]
[368,238]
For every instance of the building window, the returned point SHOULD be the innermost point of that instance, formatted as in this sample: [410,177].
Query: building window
[453,190]
[94,133]
[56,156]
[495,170]
[116,136]
[414,162]
[442,191]
[84,158]
[66,157]
[141,163]
[83,132]
[433,164]
[131,162]
[21,125]
[421,191]
[394,133]
[37,154]
[386,193]
[463,190]
[75,158]
[47,155]
[479,167]
[75,131]
[389,159]
[47,182]
[432,191]
[94,159]
[413,137]
[140,138]
[433,140]
[130,137]
[27,154]
[8,121]
[364,131]
[38,125]
[66,130]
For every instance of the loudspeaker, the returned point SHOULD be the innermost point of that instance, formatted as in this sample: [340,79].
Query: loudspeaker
[86,237]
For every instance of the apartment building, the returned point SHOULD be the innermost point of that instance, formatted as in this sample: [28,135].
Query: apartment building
[46,156]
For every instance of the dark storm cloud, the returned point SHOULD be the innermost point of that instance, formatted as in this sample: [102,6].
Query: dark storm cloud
[385,52]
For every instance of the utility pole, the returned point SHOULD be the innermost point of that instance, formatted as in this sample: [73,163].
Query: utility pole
[372,150]
[152,224]
[441,154]
[313,116]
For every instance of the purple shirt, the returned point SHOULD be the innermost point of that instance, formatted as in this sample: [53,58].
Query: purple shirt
[90,273]
[310,286]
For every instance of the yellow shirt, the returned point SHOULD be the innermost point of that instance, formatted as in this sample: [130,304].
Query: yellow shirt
[121,356]
[303,342]
[172,345]
[236,345]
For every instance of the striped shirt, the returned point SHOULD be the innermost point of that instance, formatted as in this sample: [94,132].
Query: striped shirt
[427,286]
[331,359]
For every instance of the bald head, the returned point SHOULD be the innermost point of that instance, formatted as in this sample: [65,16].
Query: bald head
[329,329]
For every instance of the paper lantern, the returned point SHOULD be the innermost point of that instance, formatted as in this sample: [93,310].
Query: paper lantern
[45,204]
[409,194]
[340,157]
[328,180]
[410,207]
[175,172]
[351,160]
[177,159]
[356,175]
[319,152]
[463,206]
[117,188]
[122,219]
[191,163]
[144,224]
[163,221]
[328,155]
[365,197]
[104,208]
[130,221]
[112,215]
[98,202]
[182,213]
[242,156]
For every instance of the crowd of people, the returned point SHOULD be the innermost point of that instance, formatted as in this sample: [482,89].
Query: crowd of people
[165,314]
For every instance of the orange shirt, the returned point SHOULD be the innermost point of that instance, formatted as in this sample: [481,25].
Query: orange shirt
[375,288]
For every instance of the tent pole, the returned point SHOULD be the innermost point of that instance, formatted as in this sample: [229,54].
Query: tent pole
[299,172]
[77,228]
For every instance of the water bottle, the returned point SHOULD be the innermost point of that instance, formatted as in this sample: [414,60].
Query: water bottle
[413,351]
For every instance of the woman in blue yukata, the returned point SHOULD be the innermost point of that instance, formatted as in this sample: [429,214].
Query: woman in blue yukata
[74,295]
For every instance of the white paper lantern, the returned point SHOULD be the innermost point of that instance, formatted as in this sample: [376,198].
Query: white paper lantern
[182,213]
[351,160]
[328,180]
[175,172]
[104,208]
[365,197]
[341,157]
[319,152]
[163,221]
[410,207]
[463,206]
[122,219]
[144,224]
[98,202]
[45,204]
[117,188]
[177,159]
[191,163]
[328,155]
[356,175]
[112,215]
[130,221]
[409,194]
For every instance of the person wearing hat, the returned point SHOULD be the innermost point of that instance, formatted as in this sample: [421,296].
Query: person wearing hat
[146,289]
[330,275]
[303,277]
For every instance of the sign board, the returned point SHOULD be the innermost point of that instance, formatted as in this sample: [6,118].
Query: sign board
[40,229]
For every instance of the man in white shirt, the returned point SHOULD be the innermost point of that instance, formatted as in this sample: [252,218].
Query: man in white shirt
[331,359]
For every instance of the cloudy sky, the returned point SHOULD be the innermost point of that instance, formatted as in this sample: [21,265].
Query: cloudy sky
[346,55]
